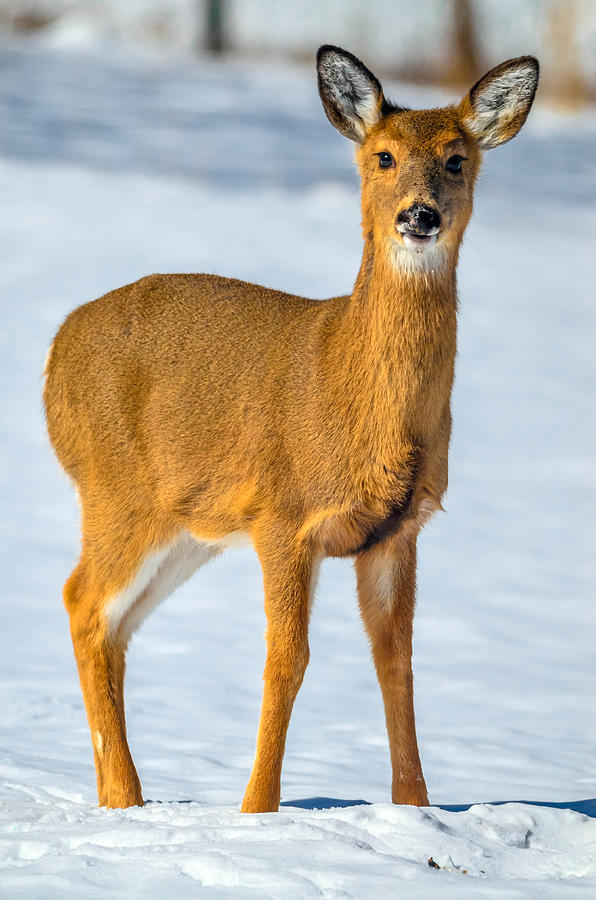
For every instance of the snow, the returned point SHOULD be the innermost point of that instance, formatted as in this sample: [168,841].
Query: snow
[331,853]
[114,167]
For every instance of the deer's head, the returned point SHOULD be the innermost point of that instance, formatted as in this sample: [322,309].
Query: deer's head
[418,167]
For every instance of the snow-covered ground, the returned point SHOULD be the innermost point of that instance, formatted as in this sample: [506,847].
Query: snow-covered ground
[112,168]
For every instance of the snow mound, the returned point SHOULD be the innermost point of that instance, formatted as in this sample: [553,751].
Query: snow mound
[171,848]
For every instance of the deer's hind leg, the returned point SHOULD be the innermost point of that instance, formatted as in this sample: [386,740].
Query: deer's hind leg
[100,661]
[107,596]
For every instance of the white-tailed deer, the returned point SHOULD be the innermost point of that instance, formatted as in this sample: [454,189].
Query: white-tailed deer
[191,411]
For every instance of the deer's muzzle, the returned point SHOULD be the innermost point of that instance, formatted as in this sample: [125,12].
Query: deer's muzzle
[420,220]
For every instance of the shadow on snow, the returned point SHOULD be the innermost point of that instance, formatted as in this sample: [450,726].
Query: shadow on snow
[587,807]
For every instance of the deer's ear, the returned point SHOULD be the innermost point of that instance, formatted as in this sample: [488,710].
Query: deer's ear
[498,104]
[352,97]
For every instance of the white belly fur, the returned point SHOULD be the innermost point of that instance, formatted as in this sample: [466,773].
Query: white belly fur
[160,573]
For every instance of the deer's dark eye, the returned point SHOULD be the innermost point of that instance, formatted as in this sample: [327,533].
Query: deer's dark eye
[453,164]
[385,160]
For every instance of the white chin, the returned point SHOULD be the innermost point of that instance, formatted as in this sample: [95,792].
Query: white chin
[411,255]
[419,244]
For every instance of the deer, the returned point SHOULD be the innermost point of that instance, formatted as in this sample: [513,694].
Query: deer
[194,412]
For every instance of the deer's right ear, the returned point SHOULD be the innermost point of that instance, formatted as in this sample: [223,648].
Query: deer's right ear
[352,97]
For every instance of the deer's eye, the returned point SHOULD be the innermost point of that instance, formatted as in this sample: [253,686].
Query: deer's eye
[453,164]
[386,161]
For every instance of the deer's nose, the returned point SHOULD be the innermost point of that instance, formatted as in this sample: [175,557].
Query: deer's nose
[419,219]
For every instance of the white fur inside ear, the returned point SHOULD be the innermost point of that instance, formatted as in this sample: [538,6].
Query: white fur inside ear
[352,92]
[499,101]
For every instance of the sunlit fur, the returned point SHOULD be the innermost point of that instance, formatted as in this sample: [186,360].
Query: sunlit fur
[191,410]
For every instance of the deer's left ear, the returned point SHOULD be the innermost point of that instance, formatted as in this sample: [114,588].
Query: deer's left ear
[498,104]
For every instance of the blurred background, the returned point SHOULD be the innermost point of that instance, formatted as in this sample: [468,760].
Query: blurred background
[149,135]
[431,41]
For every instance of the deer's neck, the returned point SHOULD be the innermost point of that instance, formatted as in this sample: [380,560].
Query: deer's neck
[395,346]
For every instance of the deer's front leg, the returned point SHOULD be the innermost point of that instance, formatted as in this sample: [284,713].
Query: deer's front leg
[287,574]
[386,593]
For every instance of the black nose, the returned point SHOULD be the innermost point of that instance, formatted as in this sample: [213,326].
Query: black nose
[420,219]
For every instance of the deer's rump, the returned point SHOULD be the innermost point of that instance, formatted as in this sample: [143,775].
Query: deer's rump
[169,382]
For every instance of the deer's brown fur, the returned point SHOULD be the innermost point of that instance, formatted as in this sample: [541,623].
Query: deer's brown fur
[188,409]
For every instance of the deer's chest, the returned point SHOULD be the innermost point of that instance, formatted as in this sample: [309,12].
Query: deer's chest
[378,517]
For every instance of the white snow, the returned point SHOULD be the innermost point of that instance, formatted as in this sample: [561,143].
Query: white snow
[112,168]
